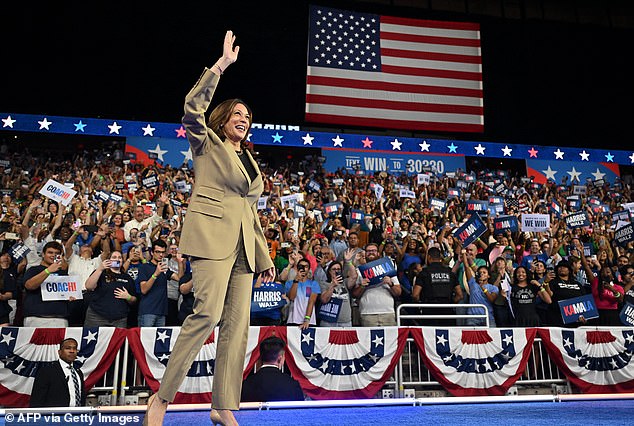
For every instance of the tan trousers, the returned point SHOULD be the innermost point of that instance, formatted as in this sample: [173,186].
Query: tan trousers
[222,291]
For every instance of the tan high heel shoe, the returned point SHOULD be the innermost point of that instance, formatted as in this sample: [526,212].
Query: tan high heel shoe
[155,412]
[222,417]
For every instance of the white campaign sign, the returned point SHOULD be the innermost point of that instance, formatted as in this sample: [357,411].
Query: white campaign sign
[58,192]
[535,222]
[61,287]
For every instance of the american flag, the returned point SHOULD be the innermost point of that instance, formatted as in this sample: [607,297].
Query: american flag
[382,71]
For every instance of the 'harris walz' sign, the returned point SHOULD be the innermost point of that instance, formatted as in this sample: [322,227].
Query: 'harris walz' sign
[572,309]
[577,220]
[377,269]
[624,234]
[267,297]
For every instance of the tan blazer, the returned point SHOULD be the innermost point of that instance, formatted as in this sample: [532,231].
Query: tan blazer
[224,199]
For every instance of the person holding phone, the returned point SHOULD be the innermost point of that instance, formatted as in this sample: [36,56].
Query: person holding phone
[336,307]
[113,293]
[152,286]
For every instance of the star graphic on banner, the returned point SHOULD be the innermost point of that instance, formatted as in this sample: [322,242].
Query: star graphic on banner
[277,138]
[378,341]
[559,154]
[367,143]
[249,137]
[337,141]
[8,122]
[162,336]
[79,127]
[550,173]
[598,175]
[163,357]
[507,151]
[44,124]
[441,340]
[452,148]
[396,144]
[533,152]
[631,157]
[188,155]
[6,338]
[584,156]
[574,174]
[180,132]
[609,157]
[424,146]
[567,343]
[158,151]
[306,338]
[114,128]
[308,139]
[20,367]
[148,130]
[80,359]
[479,149]
[508,339]
[92,335]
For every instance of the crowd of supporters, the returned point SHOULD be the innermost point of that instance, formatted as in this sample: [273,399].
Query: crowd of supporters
[119,237]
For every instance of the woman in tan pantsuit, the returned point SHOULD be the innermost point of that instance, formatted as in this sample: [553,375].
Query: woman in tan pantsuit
[223,236]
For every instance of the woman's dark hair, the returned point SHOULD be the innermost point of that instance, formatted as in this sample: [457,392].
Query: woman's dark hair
[333,263]
[221,114]
[528,274]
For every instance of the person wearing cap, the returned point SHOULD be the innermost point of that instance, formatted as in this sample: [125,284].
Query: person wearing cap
[563,287]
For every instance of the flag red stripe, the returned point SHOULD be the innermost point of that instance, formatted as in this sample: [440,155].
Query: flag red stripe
[429,72]
[410,22]
[418,38]
[431,56]
[48,336]
[395,105]
[393,124]
[393,87]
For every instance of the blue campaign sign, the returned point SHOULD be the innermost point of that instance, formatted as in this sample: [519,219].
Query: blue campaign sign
[627,314]
[624,235]
[267,297]
[577,220]
[470,230]
[506,223]
[330,311]
[572,309]
[377,269]
[477,206]
[391,162]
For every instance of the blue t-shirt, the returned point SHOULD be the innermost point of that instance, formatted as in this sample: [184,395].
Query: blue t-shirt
[155,300]
[104,301]
[528,260]
[477,296]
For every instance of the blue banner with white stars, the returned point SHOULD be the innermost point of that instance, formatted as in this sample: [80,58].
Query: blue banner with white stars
[171,149]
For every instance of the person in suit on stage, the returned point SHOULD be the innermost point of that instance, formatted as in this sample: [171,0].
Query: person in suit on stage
[270,383]
[59,383]
[223,236]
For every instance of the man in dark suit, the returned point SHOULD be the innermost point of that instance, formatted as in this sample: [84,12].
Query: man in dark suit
[59,384]
[269,383]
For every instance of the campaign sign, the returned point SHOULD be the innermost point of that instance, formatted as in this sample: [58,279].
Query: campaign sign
[495,209]
[332,209]
[406,193]
[150,182]
[477,206]
[627,314]
[376,270]
[300,210]
[18,251]
[555,207]
[496,200]
[506,223]
[61,287]
[577,220]
[422,179]
[623,216]
[330,311]
[437,203]
[535,222]
[58,192]
[624,235]
[378,191]
[262,203]
[572,309]
[470,230]
[313,186]
[267,297]
[356,216]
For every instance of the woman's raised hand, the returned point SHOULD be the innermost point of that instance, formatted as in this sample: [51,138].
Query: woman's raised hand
[229,52]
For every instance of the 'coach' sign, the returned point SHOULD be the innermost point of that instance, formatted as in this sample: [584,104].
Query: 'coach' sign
[58,192]
[61,287]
